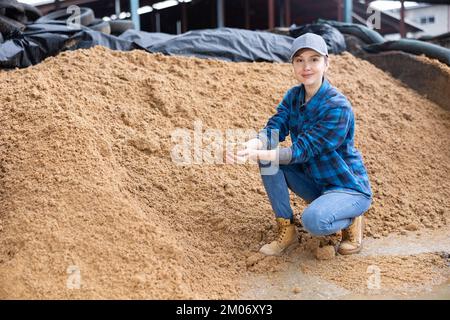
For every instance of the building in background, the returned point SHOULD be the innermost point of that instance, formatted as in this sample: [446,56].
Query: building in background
[433,19]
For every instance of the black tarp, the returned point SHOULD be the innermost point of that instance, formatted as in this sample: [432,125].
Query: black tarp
[412,46]
[334,39]
[367,35]
[145,39]
[228,44]
[39,41]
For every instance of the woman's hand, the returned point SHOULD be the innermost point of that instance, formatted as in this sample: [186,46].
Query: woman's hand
[254,144]
[253,155]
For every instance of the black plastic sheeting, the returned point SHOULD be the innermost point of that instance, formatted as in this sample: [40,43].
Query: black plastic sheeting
[367,35]
[40,41]
[413,46]
[145,39]
[334,39]
[227,44]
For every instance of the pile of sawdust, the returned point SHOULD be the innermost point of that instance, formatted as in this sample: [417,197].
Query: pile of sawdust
[87,182]
[432,62]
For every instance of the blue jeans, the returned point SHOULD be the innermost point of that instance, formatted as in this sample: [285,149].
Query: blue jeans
[327,213]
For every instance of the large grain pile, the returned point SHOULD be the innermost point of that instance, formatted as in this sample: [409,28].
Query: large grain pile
[87,182]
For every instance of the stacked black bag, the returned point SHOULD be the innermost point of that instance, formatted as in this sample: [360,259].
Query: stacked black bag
[14,16]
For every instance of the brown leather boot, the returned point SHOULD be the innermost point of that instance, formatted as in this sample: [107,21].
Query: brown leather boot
[334,240]
[352,237]
[286,237]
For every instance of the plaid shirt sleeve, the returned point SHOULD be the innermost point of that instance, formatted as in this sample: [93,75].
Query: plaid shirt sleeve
[277,127]
[327,134]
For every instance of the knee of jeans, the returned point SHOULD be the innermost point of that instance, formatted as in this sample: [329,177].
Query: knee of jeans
[313,222]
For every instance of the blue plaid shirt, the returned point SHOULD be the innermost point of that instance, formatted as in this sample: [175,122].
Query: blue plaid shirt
[322,133]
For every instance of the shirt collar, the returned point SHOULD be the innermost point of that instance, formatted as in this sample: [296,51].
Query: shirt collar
[317,96]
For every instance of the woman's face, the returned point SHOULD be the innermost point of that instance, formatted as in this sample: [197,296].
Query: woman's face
[309,67]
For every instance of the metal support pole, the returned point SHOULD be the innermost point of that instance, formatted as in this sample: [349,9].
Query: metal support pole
[117,7]
[402,20]
[220,14]
[287,12]
[134,5]
[158,22]
[247,15]
[271,11]
[281,14]
[348,9]
[184,19]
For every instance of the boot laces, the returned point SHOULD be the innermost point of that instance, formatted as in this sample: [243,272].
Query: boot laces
[352,232]
[281,233]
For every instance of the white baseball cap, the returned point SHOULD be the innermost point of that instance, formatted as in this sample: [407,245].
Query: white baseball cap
[310,41]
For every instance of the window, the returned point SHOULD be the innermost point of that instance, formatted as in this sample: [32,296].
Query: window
[427,20]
